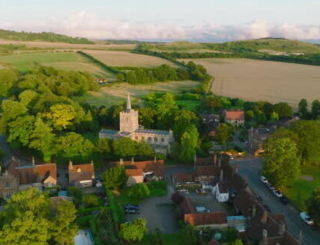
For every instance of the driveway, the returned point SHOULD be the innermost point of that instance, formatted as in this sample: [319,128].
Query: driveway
[160,211]
[249,168]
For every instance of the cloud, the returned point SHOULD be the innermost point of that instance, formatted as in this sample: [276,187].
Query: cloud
[85,24]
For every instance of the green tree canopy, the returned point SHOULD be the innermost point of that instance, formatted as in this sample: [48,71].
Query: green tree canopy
[283,110]
[313,205]
[281,165]
[139,191]
[224,134]
[303,108]
[189,144]
[7,79]
[124,147]
[133,231]
[114,178]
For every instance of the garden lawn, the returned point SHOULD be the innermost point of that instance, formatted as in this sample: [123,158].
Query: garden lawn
[190,105]
[301,190]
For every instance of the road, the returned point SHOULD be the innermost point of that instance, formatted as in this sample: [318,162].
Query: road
[249,169]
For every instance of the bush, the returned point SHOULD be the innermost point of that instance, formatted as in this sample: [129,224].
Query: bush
[90,201]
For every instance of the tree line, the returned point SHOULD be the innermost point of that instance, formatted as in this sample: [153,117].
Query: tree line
[42,36]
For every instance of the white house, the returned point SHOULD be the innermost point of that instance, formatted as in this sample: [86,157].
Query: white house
[220,191]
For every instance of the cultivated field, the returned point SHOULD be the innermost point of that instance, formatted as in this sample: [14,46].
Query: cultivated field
[264,80]
[116,93]
[60,60]
[71,46]
[119,58]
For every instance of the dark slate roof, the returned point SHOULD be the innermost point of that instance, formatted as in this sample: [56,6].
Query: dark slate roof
[108,131]
[150,131]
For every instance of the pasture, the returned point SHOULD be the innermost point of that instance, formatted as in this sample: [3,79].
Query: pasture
[49,45]
[120,58]
[60,60]
[116,93]
[256,80]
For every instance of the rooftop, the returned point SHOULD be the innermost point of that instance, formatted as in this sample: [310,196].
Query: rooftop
[206,218]
[234,115]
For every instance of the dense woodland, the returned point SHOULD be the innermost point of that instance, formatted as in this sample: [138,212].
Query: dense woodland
[42,36]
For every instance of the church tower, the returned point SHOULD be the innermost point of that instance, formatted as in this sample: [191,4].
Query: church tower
[129,118]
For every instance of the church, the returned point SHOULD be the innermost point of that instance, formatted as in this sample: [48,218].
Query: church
[160,140]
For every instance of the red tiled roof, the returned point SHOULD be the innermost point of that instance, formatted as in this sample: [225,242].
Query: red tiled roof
[207,171]
[234,115]
[134,172]
[186,206]
[45,170]
[80,172]
[147,166]
[206,218]
[182,177]
[223,187]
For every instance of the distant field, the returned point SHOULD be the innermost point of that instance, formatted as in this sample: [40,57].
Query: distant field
[264,80]
[119,58]
[72,46]
[64,60]
[116,93]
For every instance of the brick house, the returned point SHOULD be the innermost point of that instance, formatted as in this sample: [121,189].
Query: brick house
[81,175]
[234,117]
[135,175]
[8,185]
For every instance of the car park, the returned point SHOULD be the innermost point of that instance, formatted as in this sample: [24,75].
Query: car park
[264,179]
[277,193]
[306,218]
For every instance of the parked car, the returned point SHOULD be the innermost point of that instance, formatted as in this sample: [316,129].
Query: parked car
[201,191]
[270,187]
[306,218]
[203,210]
[131,206]
[277,193]
[266,207]
[131,211]
[284,200]
[183,191]
[264,180]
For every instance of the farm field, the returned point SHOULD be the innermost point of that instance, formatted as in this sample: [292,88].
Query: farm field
[63,60]
[70,45]
[256,80]
[117,93]
[119,58]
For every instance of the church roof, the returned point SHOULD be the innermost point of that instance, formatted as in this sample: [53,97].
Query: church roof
[150,131]
[108,131]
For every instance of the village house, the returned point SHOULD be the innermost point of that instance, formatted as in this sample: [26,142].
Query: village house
[142,171]
[210,122]
[8,185]
[234,117]
[81,175]
[159,140]
[256,138]
[213,220]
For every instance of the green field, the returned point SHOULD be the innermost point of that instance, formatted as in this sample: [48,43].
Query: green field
[116,93]
[302,189]
[60,60]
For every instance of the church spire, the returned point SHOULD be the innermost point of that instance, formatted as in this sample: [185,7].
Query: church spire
[128,102]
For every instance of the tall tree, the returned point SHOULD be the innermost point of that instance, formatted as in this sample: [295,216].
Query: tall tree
[144,149]
[315,109]
[189,144]
[7,79]
[43,140]
[61,116]
[283,109]
[114,178]
[124,147]
[303,108]
[133,231]
[139,191]
[224,134]
[64,227]
[281,165]
[21,129]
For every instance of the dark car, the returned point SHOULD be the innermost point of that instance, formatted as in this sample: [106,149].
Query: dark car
[131,206]
[131,211]
[284,200]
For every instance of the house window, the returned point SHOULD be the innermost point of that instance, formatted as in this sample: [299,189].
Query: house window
[155,139]
[162,140]
[8,195]
[149,139]
[136,138]
[7,185]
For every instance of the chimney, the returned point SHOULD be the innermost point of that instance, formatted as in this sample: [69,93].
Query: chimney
[264,217]
[33,161]
[91,162]
[264,237]
[195,159]
[70,164]
[221,175]
[215,159]
[282,228]
[219,160]
[155,159]
[132,160]
[254,211]
[121,161]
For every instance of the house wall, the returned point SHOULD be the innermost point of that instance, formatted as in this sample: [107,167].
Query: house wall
[212,226]
[235,122]
[222,197]
[134,180]
[8,186]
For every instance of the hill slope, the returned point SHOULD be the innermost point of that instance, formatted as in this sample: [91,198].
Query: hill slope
[43,36]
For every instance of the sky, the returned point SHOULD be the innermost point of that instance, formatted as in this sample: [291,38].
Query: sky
[166,19]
